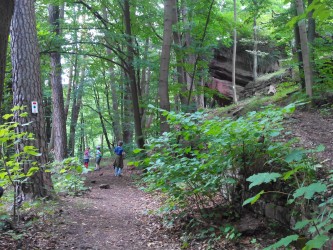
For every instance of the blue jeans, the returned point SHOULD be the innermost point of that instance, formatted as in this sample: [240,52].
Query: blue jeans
[117,171]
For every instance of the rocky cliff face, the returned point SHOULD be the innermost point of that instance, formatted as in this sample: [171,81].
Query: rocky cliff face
[221,69]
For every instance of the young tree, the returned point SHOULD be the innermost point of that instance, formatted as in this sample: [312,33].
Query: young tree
[27,88]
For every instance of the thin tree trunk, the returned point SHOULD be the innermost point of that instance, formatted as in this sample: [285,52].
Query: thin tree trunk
[69,87]
[180,62]
[100,115]
[58,121]
[76,106]
[126,114]
[255,51]
[26,89]
[234,53]
[132,77]
[115,107]
[6,12]
[298,52]
[163,87]
[308,74]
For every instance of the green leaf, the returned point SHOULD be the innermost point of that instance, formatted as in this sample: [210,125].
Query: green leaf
[253,199]
[32,170]
[287,175]
[301,224]
[260,178]
[317,242]
[31,150]
[296,155]
[284,242]
[7,116]
[137,150]
[310,190]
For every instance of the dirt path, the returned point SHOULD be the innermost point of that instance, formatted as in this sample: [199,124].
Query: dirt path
[313,129]
[115,218]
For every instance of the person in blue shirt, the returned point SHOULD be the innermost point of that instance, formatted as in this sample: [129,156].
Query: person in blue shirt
[119,161]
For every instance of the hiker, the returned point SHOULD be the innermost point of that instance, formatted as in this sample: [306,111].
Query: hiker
[119,161]
[86,157]
[98,157]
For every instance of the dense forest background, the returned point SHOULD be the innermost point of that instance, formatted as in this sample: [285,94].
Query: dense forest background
[86,73]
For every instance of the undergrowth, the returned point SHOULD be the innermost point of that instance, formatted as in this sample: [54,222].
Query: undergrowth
[205,163]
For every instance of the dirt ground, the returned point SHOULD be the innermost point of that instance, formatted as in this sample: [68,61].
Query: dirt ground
[114,218]
[312,129]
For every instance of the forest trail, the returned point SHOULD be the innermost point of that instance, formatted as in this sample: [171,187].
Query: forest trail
[115,218]
[119,218]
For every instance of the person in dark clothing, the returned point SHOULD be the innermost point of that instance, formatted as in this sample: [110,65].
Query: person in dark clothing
[1,191]
[119,161]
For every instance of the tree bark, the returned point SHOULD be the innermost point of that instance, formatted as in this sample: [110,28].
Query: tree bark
[59,118]
[27,88]
[100,115]
[298,52]
[132,77]
[76,106]
[234,53]
[163,86]
[180,63]
[6,12]
[308,71]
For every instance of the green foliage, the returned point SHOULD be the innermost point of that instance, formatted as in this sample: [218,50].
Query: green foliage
[11,160]
[201,156]
[308,189]
[260,178]
[67,176]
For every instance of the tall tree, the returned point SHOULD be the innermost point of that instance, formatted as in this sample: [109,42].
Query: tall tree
[27,88]
[308,71]
[234,53]
[132,76]
[6,12]
[76,107]
[59,118]
[163,85]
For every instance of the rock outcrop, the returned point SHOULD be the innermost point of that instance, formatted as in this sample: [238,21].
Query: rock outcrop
[221,70]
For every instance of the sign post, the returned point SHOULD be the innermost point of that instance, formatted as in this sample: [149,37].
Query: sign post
[34,107]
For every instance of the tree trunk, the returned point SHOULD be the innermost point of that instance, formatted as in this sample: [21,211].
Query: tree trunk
[115,107]
[132,77]
[126,112]
[71,79]
[76,106]
[255,51]
[100,115]
[191,60]
[59,118]
[180,63]
[234,53]
[311,25]
[163,87]
[308,74]
[6,12]
[27,88]
[298,52]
